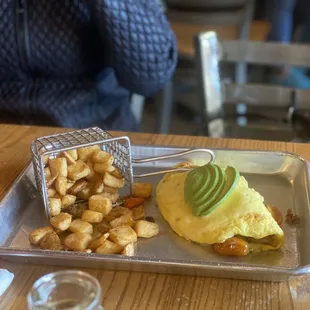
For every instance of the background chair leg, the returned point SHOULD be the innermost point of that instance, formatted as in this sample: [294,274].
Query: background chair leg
[164,102]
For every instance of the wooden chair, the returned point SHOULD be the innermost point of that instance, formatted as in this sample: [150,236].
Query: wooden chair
[272,106]
[231,24]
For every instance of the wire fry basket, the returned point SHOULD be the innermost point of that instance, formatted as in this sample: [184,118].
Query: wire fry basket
[52,145]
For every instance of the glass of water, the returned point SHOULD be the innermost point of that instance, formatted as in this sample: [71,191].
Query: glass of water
[70,290]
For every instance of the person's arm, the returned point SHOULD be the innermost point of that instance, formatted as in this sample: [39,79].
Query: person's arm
[141,45]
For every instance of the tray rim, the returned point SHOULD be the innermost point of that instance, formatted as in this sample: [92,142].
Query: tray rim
[8,252]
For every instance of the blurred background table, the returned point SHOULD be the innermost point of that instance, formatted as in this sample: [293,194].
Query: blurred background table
[135,290]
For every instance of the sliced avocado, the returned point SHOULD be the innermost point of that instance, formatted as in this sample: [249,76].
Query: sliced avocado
[232,179]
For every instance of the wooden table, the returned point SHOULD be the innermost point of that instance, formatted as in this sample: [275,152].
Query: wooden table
[133,290]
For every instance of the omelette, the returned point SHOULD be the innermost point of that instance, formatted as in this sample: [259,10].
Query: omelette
[210,205]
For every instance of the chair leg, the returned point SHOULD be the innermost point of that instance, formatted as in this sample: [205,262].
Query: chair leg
[164,102]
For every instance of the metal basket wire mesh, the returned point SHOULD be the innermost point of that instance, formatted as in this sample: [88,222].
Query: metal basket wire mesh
[119,147]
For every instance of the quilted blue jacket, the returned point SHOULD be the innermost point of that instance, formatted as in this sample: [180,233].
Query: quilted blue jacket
[75,63]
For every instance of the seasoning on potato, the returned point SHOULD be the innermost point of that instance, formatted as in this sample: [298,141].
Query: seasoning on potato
[92,216]
[36,235]
[81,226]
[61,221]
[100,204]
[123,235]
[77,241]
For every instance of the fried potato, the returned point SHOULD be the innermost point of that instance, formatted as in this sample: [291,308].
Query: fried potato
[54,206]
[77,241]
[143,190]
[85,193]
[100,204]
[96,234]
[87,152]
[51,192]
[119,211]
[102,168]
[138,213]
[51,180]
[92,174]
[123,220]
[97,187]
[109,247]
[45,160]
[145,229]
[36,235]
[112,181]
[103,227]
[129,250]
[61,185]
[69,184]
[75,210]
[73,153]
[110,190]
[51,241]
[67,201]
[112,197]
[61,221]
[70,160]
[77,187]
[58,166]
[98,242]
[103,157]
[123,235]
[81,226]
[78,171]
[109,218]
[47,173]
[117,173]
[92,216]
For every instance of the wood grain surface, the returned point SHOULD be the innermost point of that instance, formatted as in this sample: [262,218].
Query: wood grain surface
[134,290]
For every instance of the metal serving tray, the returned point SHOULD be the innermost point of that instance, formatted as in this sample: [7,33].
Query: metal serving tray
[282,178]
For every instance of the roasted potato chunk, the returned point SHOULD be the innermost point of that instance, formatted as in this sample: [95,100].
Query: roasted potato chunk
[77,187]
[123,235]
[92,216]
[110,190]
[51,241]
[58,166]
[117,173]
[73,153]
[51,192]
[96,234]
[138,213]
[81,226]
[145,229]
[69,184]
[102,168]
[109,247]
[123,220]
[61,221]
[76,210]
[85,153]
[103,157]
[119,211]
[61,185]
[78,171]
[85,193]
[67,201]
[100,204]
[129,250]
[70,160]
[143,190]
[97,187]
[47,173]
[36,235]
[45,160]
[54,206]
[77,241]
[98,242]
[103,227]
[51,180]
[112,181]
[113,197]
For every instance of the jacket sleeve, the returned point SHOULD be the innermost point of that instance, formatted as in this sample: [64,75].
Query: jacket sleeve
[141,45]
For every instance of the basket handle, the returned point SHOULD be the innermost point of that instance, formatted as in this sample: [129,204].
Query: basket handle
[175,155]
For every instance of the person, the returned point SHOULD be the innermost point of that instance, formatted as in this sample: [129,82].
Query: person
[280,14]
[76,63]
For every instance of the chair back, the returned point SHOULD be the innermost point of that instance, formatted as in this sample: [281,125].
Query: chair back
[215,94]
